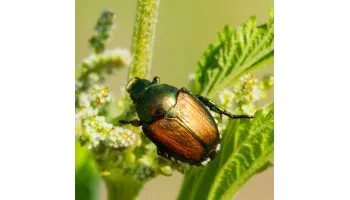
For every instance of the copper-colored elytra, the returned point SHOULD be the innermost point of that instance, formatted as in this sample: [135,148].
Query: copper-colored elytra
[195,117]
[173,135]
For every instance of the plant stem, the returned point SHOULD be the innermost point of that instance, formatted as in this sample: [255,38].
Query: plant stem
[143,39]
[118,185]
[123,189]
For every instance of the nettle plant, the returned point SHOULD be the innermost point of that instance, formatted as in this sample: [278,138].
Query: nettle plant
[126,159]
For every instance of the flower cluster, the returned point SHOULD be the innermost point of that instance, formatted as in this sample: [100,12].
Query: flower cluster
[90,102]
[141,172]
[103,28]
[244,94]
[92,70]
[96,129]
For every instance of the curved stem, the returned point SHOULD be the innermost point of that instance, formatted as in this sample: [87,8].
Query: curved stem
[143,39]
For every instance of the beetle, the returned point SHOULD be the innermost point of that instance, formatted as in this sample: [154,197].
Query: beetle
[178,122]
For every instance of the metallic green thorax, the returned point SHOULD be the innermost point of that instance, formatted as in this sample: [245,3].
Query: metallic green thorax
[152,101]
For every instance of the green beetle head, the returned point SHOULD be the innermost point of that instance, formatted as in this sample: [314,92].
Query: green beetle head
[136,86]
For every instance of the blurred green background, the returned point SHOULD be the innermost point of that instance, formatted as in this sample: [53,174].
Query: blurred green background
[184,30]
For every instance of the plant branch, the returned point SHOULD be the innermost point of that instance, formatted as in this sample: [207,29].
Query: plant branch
[143,39]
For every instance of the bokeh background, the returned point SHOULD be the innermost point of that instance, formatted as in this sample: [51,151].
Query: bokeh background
[184,30]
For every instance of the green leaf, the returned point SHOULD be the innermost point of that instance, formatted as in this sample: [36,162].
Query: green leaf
[247,159]
[86,175]
[236,52]
[241,147]
[265,167]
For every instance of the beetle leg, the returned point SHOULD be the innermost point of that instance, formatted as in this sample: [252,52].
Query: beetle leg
[161,153]
[213,107]
[134,122]
[156,80]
